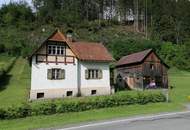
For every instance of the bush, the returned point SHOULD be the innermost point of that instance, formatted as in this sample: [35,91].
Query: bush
[81,104]
[2,48]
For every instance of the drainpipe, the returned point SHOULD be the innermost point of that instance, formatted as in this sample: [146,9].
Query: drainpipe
[78,79]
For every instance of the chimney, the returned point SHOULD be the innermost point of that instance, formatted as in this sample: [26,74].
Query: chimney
[70,35]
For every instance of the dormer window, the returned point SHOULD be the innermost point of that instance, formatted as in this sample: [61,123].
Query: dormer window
[56,50]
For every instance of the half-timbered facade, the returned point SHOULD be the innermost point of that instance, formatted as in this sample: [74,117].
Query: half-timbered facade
[62,68]
[142,70]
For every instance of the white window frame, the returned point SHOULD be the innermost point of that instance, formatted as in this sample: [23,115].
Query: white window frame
[93,73]
[58,48]
[56,74]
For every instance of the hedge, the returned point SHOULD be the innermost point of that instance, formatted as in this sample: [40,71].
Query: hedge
[48,107]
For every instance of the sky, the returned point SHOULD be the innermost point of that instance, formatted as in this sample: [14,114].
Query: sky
[7,1]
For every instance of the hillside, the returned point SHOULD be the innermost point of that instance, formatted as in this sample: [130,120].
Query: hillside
[17,84]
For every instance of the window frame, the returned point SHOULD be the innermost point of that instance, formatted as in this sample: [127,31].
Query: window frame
[56,50]
[93,74]
[56,74]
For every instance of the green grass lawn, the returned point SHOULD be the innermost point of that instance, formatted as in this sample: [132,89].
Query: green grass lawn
[4,60]
[19,83]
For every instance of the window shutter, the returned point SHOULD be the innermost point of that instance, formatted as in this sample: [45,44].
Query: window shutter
[100,75]
[62,75]
[49,74]
[86,74]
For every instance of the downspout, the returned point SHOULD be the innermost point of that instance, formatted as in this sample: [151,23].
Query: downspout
[78,79]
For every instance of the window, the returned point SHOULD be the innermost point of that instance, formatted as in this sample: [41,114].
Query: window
[93,92]
[56,50]
[40,95]
[56,74]
[93,74]
[152,66]
[69,93]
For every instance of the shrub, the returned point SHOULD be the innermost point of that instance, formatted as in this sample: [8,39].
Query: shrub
[2,113]
[24,110]
[81,104]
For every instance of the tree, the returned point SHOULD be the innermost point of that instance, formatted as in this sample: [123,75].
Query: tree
[15,14]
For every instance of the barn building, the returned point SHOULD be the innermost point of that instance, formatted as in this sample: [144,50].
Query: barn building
[142,70]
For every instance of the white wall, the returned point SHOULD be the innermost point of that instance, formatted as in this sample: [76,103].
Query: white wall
[39,76]
[104,82]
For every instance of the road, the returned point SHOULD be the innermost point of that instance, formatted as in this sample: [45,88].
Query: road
[169,121]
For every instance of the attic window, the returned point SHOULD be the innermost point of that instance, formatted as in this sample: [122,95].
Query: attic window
[56,50]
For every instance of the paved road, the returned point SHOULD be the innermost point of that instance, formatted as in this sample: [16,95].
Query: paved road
[170,121]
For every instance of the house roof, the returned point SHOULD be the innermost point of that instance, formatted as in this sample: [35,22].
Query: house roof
[136,58]
[87,51]
[91,51]
[57,36]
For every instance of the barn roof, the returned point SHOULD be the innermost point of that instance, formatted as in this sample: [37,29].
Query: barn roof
[136,58]
[88,51]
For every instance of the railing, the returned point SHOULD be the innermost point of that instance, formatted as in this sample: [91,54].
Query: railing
[44,58]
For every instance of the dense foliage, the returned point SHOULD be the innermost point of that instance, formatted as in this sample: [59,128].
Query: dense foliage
[22,28]
[80,104]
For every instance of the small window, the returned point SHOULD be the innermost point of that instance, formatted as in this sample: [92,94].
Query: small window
[58,50]
[93,92]
[54,50]
[56,74]
[40,95]
[69,93]
[152,66]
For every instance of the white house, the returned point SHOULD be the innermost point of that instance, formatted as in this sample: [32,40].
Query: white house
[62,68]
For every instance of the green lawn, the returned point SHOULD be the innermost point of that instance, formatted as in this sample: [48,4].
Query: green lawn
[17,92]
[17,85]
[4,60]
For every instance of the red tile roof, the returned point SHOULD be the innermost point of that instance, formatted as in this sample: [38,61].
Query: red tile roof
[133,58]
[83,50]
[57,36]
[91,51]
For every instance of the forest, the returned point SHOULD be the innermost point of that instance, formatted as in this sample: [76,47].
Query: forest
[163,25]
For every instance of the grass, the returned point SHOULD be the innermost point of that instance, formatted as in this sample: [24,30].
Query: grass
[4,60]
[16,92]
[18,83]
[180,80]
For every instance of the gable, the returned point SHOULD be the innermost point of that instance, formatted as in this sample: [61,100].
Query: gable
[82,50]
[152,57]
[140,57]
[44,48]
